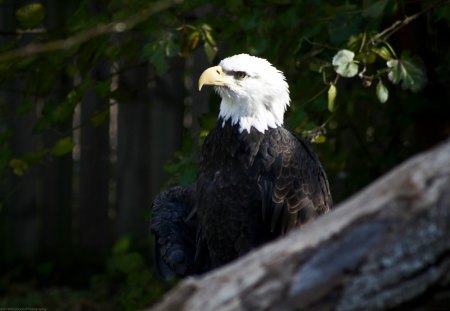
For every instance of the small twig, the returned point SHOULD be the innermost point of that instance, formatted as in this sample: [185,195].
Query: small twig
[79,38]
[319,44]
[317,95]
[386,33]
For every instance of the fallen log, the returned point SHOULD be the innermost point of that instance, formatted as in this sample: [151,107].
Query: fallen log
[385,248]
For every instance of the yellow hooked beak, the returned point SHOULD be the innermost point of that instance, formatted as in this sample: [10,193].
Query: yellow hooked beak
[212,76]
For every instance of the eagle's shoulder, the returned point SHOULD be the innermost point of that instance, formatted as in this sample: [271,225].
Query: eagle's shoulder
[293,184]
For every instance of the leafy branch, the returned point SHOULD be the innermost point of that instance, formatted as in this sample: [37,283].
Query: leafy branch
[407,70]
[396,26]
[358,59]
[79,38]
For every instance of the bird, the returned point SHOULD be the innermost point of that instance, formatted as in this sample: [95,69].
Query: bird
[256,179]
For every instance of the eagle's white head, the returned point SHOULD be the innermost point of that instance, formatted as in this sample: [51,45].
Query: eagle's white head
[254,93]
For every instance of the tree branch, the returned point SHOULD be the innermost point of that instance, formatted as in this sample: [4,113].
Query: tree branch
[386,33]
[385,248]
[79,38]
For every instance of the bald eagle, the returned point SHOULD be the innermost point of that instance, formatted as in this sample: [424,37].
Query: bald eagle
[256,179]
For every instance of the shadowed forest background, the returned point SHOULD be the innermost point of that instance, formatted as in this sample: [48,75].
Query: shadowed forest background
[99,111]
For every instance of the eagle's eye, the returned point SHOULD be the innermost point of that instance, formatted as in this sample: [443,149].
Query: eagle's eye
[239,75]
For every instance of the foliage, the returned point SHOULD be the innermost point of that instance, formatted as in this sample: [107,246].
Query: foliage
[409,72]
[128,283]
[128,275]
[30,15]
[344,63]
[281,31]
[366,80]
[183,169]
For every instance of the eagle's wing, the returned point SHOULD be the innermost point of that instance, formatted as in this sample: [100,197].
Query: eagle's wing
[174,229]
[294,186]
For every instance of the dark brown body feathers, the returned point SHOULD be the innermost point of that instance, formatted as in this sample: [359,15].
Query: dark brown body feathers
[251,188]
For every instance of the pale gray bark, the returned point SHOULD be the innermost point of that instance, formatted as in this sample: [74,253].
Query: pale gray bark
[386,248]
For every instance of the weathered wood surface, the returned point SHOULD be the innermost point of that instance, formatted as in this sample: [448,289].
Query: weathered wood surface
[386,248]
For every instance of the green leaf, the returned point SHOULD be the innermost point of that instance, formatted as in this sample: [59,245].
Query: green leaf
[122,246]
[343,57]
[192,41]
[332,91]
[317,65]
[443,13]
[210,45]
[63,146]
[61,112]
[210,51]
[383,52]
[344,63]
[396,74]
[100,117]
[319,139]
[409,71]
[375,9]
[319,104]
[157,58]
[18,166]
[171,48]
[103,88]
[30,15]
[25,106]
[344,25]
[5,136]
[208,36]
[33,157]
[382,92]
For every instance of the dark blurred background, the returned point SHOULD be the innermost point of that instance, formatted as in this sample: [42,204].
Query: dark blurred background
[99,111]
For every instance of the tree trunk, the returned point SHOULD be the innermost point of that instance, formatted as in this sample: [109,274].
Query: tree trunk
[24,191]
[21,212]
[94,228]
[143,147]
[6,186]
[94,225]
[166,118]
[57,178]
[386,248]
[133,153]
[199,100]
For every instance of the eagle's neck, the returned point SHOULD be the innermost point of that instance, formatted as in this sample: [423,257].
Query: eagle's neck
[226,143]
[249,113]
